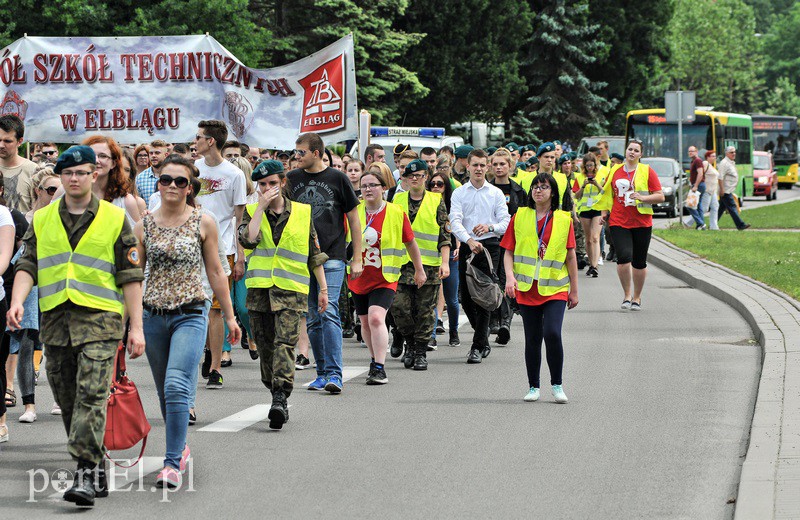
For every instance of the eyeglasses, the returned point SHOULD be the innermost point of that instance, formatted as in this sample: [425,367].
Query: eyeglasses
[540,187]
[50,152]
[142,156]
[180,182]
[299,153]
[437,184]
[370,186]
[50,191]
[103,156]
[442,168]
[414,175]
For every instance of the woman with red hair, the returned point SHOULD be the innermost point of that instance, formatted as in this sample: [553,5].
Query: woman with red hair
[112,184]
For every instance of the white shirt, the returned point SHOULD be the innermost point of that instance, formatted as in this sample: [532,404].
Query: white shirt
[223,188]
[6,220]
[470,206]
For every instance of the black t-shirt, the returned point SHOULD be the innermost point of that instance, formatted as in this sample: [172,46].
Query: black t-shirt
[330,195]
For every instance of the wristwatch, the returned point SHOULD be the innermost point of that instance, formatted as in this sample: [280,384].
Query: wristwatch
[491,229]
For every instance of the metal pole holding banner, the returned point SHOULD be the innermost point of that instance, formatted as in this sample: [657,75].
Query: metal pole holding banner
[679,107]
[364,125]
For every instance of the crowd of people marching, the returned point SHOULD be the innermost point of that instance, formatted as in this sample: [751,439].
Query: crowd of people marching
[168,247]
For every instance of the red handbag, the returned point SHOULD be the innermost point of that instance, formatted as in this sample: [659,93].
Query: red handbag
[126,422]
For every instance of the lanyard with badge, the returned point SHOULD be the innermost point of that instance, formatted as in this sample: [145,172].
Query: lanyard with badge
[631,180]
[540,236]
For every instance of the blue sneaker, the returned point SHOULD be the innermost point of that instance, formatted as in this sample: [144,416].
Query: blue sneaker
[318,383]
[334,385]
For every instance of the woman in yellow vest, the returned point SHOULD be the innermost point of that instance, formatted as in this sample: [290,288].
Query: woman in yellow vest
[387,237]
[540,251]
[628,196]
[590,182]
[285,251]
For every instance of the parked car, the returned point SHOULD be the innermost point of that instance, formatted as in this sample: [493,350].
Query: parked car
[616,143]
[417,138]
[673,182]
[765,176]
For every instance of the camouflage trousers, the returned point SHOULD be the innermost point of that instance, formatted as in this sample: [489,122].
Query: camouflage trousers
[413,312]
[80,377]
[580,240]
[276,334]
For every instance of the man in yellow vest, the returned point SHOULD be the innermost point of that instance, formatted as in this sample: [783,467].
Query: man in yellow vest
[82,253]
[413,307]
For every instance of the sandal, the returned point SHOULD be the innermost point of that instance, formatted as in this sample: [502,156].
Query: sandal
[11,398]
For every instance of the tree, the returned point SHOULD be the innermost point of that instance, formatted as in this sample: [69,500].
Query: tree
[782,56]
[385,85]
[563,103]
[634,48]
[783,99]
[715,52]
[469,58]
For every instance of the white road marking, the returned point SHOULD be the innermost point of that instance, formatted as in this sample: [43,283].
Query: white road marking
[462,320]
[348,373]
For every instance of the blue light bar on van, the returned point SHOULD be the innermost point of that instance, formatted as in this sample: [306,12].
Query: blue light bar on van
[404,131]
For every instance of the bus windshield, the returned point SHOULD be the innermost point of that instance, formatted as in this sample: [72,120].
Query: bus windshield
[661,140]
[782,144]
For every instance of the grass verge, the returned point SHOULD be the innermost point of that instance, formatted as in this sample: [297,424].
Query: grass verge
[770,257]
[780,216]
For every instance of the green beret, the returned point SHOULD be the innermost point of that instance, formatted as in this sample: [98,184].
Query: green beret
[617,156]
[545,148]
[266,168]
[532,161]
[491,150]
[512,147]
[417,165]
[557,142]
[521,166]
[463,151]
[564,158]
[75,156]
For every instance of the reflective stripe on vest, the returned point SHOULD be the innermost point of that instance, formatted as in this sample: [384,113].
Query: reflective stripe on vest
[551,271]
[425,226]
[84,276]
[284,265]
[591,193]
[392,249]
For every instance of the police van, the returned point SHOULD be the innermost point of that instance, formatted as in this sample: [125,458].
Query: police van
[417,138]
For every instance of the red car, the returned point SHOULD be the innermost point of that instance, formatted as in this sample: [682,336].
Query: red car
[765,177]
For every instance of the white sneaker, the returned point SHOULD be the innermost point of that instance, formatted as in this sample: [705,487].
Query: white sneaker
[559,395]
[56,409]
[600,260]
[27,417]
[533,395]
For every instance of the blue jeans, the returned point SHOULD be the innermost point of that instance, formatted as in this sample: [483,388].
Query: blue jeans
[697,213]
[325,330]
[174,345]
[728,202]
[450,291]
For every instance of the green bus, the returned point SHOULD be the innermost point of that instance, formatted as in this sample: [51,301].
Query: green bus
[709,131]
[778,135]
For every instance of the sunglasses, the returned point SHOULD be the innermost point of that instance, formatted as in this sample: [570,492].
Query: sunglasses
[299,153]
[180,182]
[50,191]
[437,184]
[50,152]
[414,175]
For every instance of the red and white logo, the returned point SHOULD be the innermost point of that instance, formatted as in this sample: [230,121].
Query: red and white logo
[323,105]
[13,104]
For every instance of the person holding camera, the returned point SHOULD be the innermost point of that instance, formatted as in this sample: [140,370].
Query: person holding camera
[590,183]
[540,251]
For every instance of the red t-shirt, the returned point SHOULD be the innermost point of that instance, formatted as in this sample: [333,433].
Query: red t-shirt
[532,296]
[628,216]
[372,277]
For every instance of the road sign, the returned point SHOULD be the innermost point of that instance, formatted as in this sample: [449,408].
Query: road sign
[679,105]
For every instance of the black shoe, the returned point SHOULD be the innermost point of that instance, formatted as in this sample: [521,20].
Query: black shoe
[245,342]
[192,418]
[474,356]
[253,354]
[357,330]
[494,328]
[503,336]
[744,227]
[302,362]
[82,492]
[377,377]
[226,363]
[454,340]
[420,362]
[279,411]
[612,255]
[408,357]
[486,351]
[397,344]
[432,345]
[595,273]
[100,480]
[348,333]
[439,327]
[214,380]
[581,264]
[206,368]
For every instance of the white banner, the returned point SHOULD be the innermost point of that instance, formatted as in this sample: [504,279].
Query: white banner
[136,89]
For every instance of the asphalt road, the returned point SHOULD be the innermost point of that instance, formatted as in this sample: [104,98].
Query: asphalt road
[656,427]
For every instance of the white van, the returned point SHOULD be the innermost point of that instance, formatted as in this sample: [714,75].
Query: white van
[417,138]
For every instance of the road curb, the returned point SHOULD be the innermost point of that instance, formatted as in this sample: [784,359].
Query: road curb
[769,486]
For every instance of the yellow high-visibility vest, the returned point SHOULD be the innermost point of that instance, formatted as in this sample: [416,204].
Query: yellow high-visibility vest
[425,226]
[84,276]
[393,251]
[560,178]
[283,265]
[641,184]
[591,193]
[551,271]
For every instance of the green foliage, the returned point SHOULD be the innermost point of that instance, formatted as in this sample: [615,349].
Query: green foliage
[564,103]
[470,60]
[782,99]
[714,51]
[780,47]
[773,216]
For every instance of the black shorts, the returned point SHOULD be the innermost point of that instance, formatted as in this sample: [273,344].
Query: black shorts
[589,213]
[631,245]
[382,297]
